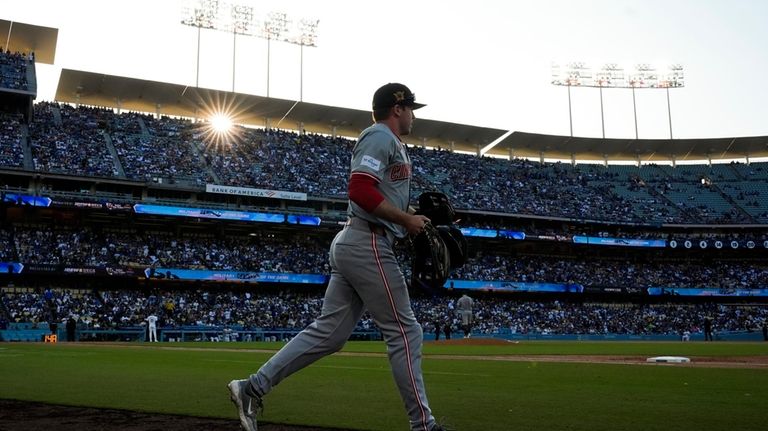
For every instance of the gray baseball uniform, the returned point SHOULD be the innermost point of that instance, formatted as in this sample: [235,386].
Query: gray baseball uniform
[464,305]
[366,275]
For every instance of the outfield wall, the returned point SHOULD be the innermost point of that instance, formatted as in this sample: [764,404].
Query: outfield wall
[24,332]
[721,336]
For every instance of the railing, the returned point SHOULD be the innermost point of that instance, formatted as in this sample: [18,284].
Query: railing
[205,333]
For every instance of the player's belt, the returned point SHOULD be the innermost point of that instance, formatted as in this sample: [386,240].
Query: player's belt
[365,225]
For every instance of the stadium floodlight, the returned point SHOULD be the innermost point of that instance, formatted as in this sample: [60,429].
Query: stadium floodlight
[243,20]
[303,32]
[613,75]
[275,27]
[200,14]
[570,75]
[307,36]
[307,32]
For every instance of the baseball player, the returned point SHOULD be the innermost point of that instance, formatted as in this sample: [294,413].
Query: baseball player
[464,305]
[152,320]
[364,271]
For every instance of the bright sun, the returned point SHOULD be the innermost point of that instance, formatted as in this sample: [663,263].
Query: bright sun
[221,123]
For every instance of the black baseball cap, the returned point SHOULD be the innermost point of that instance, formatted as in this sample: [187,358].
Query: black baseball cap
[393,94]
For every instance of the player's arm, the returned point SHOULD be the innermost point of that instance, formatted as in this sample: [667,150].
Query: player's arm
[411,222]
[363,190]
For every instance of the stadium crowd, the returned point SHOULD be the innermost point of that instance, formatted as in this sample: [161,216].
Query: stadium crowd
[301,253]
[82,141]
[275,159]
[11,136]
[86,247]
[13,70]
[618,273]
[289,310]
[69,141]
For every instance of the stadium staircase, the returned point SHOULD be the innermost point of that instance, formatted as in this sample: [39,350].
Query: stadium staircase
[644,206]
[195,145]
[28,163]
[663,197]
[749,196]
[113,152]
[144,130]
[660,197]
[31,77]
[56,116]
[726,197]
[752,171]
[739,175]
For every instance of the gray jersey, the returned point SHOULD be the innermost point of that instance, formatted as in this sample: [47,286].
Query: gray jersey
[464,303]
[365,276]
[380,154]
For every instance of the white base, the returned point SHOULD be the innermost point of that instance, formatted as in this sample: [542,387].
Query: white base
[669,359]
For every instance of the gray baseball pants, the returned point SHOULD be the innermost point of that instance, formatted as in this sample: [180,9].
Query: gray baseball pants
[364,275]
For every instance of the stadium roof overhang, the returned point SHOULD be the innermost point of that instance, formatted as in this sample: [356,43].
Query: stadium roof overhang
[96,89]
[132,94]
[21,37]
[530,145]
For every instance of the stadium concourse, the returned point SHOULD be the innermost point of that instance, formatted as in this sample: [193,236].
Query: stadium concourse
[108,216]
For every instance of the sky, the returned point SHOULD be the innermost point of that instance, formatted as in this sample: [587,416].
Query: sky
[482,62]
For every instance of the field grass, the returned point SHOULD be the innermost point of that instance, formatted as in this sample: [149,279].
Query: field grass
[358,391]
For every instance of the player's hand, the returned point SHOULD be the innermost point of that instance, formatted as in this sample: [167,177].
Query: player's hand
[414,223]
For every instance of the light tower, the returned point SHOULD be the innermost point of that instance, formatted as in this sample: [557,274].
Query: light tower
[201,14]
[243,20]
[613,75]
[307,37]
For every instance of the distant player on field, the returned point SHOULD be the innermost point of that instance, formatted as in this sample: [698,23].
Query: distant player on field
[152,322]
[464,305]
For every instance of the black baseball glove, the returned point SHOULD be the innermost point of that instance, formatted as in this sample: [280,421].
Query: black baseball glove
[440,247]
[437,208]
[431,259]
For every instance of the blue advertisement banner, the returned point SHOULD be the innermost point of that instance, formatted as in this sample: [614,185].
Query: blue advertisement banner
[208,213]
[11,267]
[304,220]
[512,234]
[241,276]
[625,242]
[513,286]
[19,199]
[482,233]
[713,291]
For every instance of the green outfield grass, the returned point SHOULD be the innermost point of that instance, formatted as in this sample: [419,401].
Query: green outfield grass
[358,392]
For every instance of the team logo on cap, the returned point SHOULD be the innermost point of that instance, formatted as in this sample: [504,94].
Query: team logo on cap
[399,96]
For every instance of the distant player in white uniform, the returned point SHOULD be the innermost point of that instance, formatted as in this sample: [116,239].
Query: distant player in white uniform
[464,306]
[364,271]
[152,323]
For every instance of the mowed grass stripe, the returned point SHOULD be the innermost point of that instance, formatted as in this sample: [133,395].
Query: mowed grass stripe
[630,348]
[353,392]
